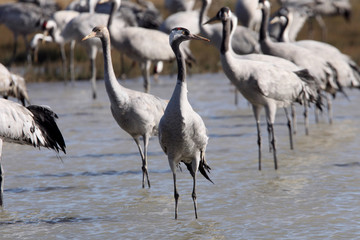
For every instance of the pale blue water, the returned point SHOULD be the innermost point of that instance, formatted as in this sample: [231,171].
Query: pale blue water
[96,192]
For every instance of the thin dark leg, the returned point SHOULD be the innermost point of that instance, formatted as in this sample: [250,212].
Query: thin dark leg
[194,196]
[293,116]
[145,68]
[271,127]
[142,160]
[259,143]
[145,170]
[269,137]
[306,118]
[329,108]
[176,196]
[290,129]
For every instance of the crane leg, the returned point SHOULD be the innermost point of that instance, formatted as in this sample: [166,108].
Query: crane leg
[293,116]
[256,111]
[306,118]
[271,127]
[259,143]
[1,176]
[329,108]
[193,195]
[290,129]
[145,69]
[144,167]
[176,196]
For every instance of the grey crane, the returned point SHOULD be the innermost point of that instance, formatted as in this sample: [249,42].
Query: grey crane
[244,41]
[22,19]
[81,26]
[263,84]
[137,113]
[13,85]
[182,132]
[55,27]
[317,9]
[248,13]
[347,75]
[281,63]
[34,44]
[323,72]
[32,125]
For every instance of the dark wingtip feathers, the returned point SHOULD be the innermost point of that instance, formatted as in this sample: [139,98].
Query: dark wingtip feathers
[46,121]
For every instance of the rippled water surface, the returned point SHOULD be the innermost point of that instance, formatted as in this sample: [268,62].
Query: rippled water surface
[95,193]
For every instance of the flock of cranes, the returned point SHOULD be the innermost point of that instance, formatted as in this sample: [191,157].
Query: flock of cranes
[266,66]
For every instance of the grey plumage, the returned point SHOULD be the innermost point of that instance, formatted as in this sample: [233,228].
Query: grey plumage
[137,113]
[182,132]
[262,84]
[32,125]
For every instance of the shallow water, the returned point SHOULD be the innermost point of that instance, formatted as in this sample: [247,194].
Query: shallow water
[96,191]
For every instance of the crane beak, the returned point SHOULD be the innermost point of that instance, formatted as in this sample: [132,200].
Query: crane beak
[211,20]
[197,37]
[275,20]
[91,35]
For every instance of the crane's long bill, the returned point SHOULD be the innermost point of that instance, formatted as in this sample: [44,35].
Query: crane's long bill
[91,35]
[197,37]
[212,20]
[275,20]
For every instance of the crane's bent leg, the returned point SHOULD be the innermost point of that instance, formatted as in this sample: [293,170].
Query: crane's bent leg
[144,167]
[290,128]
[1,176]
[142,159]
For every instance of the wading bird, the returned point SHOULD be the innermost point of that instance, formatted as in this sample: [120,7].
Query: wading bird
[182,132]
[32,125]
[263,84]
[137,113]
[323,72]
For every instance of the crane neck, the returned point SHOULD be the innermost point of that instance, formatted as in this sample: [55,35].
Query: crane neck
[264,23]
[180,61]
[203,13]
[109,75]
[225,44]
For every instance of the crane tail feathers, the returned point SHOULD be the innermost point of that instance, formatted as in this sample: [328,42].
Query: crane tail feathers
[204,168]
[46,121]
